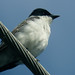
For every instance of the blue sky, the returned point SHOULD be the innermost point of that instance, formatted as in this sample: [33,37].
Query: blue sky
[59,56]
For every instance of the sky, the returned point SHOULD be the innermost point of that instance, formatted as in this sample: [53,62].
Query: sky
[59,56]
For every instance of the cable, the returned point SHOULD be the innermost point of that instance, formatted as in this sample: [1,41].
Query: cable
[28,59]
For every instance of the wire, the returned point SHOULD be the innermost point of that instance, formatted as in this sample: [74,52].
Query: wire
[28,59]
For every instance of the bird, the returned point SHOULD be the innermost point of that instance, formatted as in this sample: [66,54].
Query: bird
[33,33]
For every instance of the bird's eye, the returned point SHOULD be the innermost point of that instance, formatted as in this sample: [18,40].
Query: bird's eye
[43,13]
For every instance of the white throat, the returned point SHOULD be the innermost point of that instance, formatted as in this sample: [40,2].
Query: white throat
[46,19]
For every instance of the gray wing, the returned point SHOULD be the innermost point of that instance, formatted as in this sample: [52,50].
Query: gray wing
[8,57]
[18,27]
[25,22]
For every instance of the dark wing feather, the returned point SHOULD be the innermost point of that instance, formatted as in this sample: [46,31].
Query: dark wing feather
[8,66]
[8,57]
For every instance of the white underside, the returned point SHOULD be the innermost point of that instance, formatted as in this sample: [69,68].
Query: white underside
[35,35]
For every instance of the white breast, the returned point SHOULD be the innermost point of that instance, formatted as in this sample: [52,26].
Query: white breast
[35,35]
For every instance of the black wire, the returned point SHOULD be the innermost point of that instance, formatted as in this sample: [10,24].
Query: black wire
[25,55]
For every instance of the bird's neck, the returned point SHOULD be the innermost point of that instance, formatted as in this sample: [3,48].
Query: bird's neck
[46,19]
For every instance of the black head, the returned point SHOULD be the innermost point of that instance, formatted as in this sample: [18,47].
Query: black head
[42,12]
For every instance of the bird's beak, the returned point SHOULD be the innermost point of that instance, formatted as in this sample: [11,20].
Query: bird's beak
[55,16]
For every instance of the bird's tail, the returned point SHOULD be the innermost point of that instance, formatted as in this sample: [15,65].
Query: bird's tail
[8,57]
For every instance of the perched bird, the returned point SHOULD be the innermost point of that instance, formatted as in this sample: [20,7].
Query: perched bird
[33,33]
